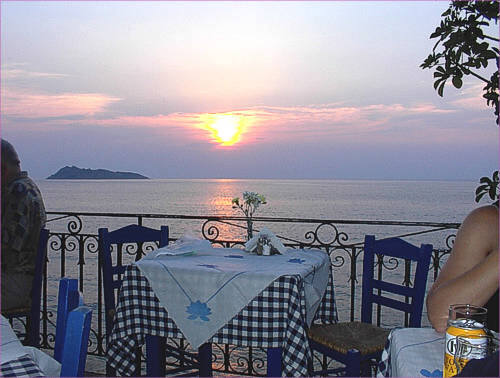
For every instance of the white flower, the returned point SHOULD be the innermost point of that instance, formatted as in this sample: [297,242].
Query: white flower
[251,202]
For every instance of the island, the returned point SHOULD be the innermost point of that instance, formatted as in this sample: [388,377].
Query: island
[75,173]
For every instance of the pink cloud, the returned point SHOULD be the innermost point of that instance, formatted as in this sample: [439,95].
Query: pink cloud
[471,97]
[327,122]
[286,123]
[15,73]
[40,105]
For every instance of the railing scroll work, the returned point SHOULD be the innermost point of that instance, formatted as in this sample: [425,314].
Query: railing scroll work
[73,252]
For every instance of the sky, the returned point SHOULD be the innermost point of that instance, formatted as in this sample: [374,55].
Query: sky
[229,89]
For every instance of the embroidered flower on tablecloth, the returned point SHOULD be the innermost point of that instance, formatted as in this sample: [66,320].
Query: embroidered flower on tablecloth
[208,266]
[297,261]
[435,373]
[198,309]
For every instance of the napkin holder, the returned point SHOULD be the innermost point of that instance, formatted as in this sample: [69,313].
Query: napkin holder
[265,243]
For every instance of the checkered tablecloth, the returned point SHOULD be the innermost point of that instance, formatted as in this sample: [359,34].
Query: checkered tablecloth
[275,318]
[23,366]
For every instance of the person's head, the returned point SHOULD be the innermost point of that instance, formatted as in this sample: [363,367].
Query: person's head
[11,166]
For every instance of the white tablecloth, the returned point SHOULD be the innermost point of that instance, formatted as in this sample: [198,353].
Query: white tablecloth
[12,349]
[413,352]
[204,290]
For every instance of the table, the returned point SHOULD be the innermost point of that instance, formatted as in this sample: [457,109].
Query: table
[274,317]
[412,352]
[17,360]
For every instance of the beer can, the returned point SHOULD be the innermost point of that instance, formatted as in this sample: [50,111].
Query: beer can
[469,330]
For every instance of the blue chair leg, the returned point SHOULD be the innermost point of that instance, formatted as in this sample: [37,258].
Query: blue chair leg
[274,362]
[205,359]
[155,356]
[353,363]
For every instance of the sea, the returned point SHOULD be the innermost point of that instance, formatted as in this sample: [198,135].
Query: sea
[358,200]
[422,201]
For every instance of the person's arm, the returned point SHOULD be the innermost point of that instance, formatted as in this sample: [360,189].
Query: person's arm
[471,273]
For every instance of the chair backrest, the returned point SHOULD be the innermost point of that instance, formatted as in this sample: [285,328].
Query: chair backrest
[68,299]
[76,338]
[112,273]
[36,290]
[398,248]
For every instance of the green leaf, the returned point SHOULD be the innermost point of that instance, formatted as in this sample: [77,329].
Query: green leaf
[437,33]
[479,196]
[441,88]
[446,13]
[481,188]
[493,192]
[457,82]
[490,55]
[485,180]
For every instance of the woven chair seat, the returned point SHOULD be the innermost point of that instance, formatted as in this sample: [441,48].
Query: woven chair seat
[341,337]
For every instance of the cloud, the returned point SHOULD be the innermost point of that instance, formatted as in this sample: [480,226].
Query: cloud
[334,120]
[470,97]
[16,103]
[18,71]
[326,123]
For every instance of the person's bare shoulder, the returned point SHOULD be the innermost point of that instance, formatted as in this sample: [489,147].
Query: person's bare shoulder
[484,216]
[481,225]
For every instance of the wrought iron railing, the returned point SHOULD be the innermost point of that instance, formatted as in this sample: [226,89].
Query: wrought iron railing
[73,248]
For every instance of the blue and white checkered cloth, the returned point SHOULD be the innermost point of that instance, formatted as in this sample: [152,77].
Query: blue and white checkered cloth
[275,318]
[23,366]
[18,360]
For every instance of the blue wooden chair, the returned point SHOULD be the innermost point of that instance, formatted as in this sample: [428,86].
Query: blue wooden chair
[76,341]
[68,298]
[32,314]
[72,329]
[355,344]
[156,347]
[112,273]
[112,276]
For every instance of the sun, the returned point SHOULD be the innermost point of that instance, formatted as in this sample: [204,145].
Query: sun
[226,128]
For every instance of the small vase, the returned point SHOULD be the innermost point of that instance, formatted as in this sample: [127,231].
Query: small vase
[249,228]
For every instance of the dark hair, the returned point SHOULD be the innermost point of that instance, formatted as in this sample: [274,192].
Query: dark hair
[9,153]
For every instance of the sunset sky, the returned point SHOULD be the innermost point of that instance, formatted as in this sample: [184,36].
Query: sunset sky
[237,90]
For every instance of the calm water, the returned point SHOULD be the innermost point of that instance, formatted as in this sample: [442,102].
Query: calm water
[426,201]
[447,201]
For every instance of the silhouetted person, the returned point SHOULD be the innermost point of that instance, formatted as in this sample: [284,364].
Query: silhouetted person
[23,215]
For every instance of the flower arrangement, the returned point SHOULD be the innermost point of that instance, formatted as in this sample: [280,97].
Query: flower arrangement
[251,202]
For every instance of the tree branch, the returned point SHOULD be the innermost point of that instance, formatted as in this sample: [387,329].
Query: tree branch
[492,38]
[472,73]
